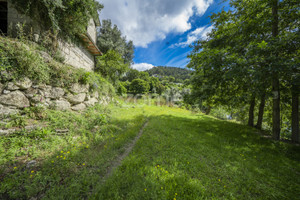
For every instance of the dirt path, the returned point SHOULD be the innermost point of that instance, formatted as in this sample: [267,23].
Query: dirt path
[118,161]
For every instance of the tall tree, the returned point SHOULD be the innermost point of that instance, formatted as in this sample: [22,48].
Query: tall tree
[110,38]
[275,77]
[249,50]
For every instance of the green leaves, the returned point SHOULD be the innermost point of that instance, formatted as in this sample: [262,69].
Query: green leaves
[139,86]
[111,66]
[110,38]
[66,18]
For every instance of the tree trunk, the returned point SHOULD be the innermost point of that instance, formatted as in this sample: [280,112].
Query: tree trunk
[261,111]
[276,109]
[207,111]
[251,112]
[295,115]
[275,78]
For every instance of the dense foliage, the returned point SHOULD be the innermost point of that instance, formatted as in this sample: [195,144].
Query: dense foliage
[110,38]
[19,60]
[111,66]
[139,86]
[251,54]
[180,74]
[64,18]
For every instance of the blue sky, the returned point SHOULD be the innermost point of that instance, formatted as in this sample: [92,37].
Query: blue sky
[162,30]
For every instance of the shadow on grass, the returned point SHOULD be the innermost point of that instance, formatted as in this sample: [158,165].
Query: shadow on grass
[205,158]
[73,171]
[194,157]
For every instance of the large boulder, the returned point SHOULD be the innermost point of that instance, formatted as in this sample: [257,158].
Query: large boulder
[79,88]
[45,90]
[91,102]
[31,92]
[61,105]
[56,93]
[24,84]
[5,111]
[11,86]
[15,98]
[77,98]
[38,99]
[79,107]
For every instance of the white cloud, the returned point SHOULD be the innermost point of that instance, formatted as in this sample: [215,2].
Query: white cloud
[199,33]
[144,21]
[142,66]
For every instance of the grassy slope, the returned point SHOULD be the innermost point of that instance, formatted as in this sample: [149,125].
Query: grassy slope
[69,166]
[180,155]
[186,156]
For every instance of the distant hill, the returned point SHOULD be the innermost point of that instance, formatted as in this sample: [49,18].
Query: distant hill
[179,74]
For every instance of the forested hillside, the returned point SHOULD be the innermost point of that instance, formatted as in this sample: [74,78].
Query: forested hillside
[179,74]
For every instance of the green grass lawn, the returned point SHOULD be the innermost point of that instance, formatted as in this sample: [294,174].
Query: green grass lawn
[180,155]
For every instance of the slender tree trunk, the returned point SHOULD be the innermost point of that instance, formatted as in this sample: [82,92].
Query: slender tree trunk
[261,111]
[276,109]
[251,112]
[275,78]
[295,115]
[208,110]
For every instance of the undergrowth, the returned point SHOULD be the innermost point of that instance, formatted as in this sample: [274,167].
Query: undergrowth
[19,59]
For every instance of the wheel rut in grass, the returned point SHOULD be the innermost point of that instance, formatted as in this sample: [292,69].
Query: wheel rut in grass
[118,161]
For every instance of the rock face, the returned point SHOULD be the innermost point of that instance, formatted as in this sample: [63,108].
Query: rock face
[61,105]
[31,92]
[91,102]
[45,91]
[78,88]
[56,93]
[76,99]
[5,111]
[38,99]
[16,98]
[79,107]
[12,86]
[24,84]
[20,94]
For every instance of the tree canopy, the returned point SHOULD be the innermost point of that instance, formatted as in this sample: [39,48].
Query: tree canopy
[110,38]
[251,51]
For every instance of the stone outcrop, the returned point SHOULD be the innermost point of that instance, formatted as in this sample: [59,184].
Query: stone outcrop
[4,111]
[78,88]
[79,107]
[15,96]
[61,105]
[24,84]
[56,93]
[76,98]
[91,102]
[11,86]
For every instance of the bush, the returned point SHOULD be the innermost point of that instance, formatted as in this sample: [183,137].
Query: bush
[19,60]
[139,86]
[67,19]
[122,89]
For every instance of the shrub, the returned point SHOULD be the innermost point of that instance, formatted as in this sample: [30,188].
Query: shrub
[122,89]
[139,86]
[18,60]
